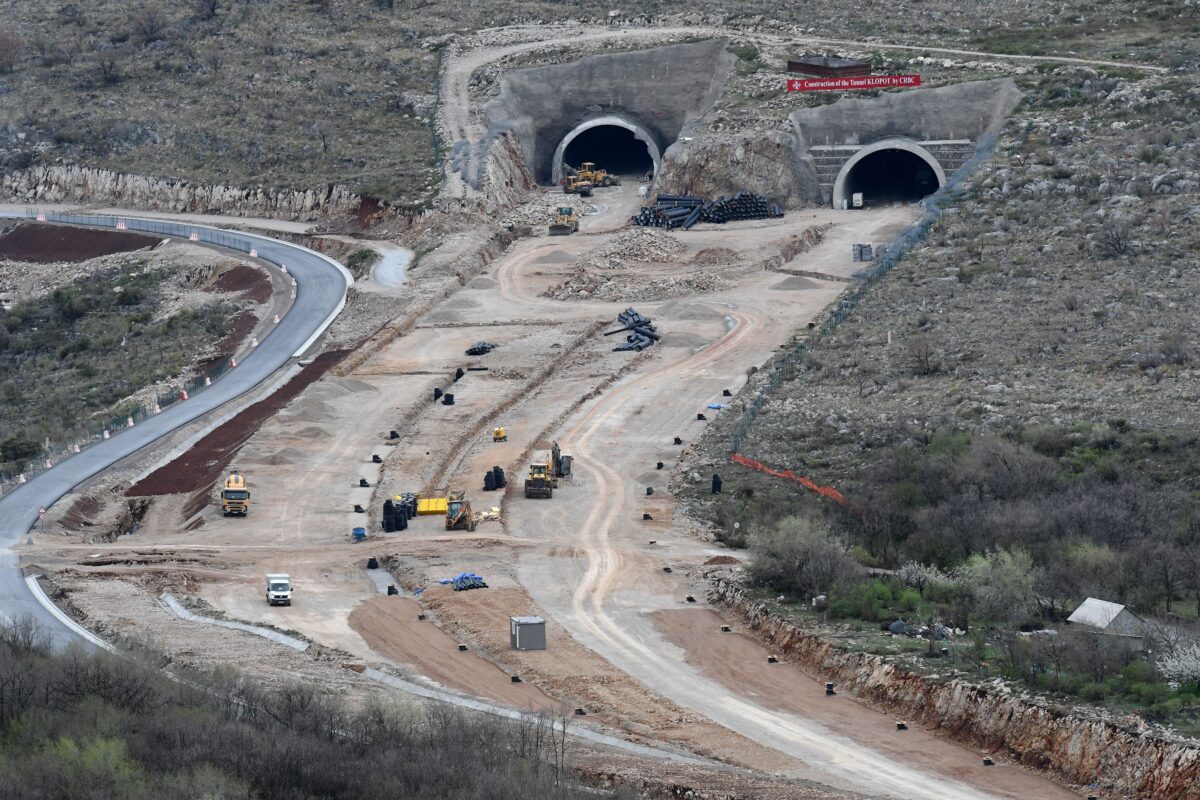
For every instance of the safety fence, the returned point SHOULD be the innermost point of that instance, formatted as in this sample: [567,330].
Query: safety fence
[785,364]
[91,431]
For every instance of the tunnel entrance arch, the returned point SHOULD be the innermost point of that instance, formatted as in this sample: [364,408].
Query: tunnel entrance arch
[889,170]
[614,143]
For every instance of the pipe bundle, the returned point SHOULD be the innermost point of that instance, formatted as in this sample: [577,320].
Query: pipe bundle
[642,333]
[684,211]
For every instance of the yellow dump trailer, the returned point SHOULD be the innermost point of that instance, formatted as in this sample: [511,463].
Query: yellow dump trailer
[428,506]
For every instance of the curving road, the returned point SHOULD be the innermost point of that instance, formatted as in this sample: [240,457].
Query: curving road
[321,285]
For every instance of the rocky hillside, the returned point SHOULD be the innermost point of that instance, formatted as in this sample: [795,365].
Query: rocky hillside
[341,92]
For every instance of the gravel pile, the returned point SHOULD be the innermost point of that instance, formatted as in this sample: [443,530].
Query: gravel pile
[541,210]
[585,285]
[714,256]
[634,246]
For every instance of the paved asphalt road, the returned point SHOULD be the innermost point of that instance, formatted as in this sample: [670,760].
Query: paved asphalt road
[320,294]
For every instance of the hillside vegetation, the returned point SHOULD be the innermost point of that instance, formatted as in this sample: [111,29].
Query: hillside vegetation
[1008,410]
[79,350]
[306,93]
[75,726]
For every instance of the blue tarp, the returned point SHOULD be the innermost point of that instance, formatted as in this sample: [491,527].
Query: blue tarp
[716,406]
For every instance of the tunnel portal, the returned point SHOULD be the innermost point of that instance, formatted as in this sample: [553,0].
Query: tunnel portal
[888,171]
[612,148]
[888,176]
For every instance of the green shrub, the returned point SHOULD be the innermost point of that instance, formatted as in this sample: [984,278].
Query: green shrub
[908,600]
[868,599]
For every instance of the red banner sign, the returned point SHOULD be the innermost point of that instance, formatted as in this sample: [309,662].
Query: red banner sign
[857,82]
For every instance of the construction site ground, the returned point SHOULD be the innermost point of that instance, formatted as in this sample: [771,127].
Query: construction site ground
[624,644]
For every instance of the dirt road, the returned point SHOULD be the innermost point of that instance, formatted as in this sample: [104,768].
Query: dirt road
[584,560]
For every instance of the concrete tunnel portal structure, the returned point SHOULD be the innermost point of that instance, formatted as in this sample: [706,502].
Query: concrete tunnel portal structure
[615,144]
[619,110]
[887,171]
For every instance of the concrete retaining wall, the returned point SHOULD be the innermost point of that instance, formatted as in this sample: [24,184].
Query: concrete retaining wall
[1130,760]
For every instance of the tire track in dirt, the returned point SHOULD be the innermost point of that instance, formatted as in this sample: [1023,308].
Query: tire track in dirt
[844,762]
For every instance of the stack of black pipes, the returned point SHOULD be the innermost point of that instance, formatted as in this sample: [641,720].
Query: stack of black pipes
[398,511]
[684,211]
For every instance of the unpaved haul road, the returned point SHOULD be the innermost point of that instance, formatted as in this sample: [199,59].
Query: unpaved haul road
[605,594]
[321,285]
[607,613]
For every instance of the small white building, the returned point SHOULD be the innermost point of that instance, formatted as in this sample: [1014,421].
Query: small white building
[1113,619]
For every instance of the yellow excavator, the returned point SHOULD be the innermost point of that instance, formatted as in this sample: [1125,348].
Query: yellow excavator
[596,177]
[565,222]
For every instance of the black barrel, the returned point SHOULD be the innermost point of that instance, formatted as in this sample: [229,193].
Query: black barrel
[489,481]
[447,399]
[716,484]
[437,394]
[498,474]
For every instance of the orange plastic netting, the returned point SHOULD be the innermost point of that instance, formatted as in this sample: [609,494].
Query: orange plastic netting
[787,474]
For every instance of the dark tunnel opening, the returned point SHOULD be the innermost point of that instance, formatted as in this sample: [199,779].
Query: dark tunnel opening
[888,176]
[611,148]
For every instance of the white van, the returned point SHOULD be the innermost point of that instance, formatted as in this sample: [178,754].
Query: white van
[279,589]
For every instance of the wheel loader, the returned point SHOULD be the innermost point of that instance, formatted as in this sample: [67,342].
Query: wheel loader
[573,184]
[597,177]
[540,482]
[565,223]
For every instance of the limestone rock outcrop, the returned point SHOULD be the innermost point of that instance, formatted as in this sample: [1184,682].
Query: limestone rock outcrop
[1130,760]
[74,184]
[713,164]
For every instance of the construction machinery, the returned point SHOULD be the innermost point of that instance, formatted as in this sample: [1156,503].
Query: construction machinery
[499,435]
[573,184]
[560,464]
[459,514]
[279,589]
[235,497]
[565,222]
[540,482]
[597,177]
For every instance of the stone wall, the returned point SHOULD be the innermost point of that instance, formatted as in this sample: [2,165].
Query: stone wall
[1126,759]
[72,184]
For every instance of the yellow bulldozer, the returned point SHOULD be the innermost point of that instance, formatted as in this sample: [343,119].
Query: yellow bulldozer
[565,222]
[596,177]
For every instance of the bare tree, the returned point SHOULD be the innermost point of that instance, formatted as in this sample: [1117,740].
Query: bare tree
[71,14]
[322,133]
[10,49]
[110,62]
[922,356]
[149,24]
[213,59]
[206,9]
[1115,241]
